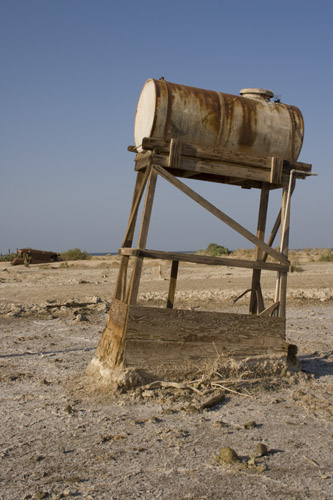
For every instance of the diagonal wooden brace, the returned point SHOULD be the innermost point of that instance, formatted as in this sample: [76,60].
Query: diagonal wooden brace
[221,215]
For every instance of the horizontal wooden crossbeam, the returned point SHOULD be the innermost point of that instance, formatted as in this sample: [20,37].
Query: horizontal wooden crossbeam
[209,153]
[202,259]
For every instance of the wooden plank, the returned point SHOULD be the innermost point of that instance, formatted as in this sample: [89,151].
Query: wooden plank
[175,152]
[217,168]
[276,170]
[275,228]
[258,254]
[142,239]
[157,338]
[143,160]
[224,168]
[209,153]
[220,215]
[269,310]
[173,283]
[202,259]
[140,184]
[139,188]
[281,283]
[273,234]
[124,279]
[298,165]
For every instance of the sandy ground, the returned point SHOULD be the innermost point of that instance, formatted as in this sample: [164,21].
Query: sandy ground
[61,440]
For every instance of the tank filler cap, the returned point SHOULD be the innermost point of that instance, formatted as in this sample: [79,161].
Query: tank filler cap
[259,94]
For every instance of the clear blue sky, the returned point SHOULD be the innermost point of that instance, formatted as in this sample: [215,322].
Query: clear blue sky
[71,75]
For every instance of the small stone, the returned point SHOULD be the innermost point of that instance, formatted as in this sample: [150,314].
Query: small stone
[148,394]
[220,424]
[39,495]
[136,422]
[250,425]
[191,409]
[260,450]
[45,382]
[79,318]
[228,456]
[68,409]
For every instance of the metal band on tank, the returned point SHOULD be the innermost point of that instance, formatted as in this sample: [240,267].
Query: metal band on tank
[293,130]
[169,110]
[157,98]
[222,115]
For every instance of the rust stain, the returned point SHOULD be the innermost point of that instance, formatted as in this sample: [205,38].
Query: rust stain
[248,128]
[229,106]
[297,130]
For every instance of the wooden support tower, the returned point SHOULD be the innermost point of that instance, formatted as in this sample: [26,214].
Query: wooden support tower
[174,343]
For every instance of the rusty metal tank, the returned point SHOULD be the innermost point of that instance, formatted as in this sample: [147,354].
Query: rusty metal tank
[249,123]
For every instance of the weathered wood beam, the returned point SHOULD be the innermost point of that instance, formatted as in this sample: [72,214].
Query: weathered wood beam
[173,283]
[121,283]
[202,259]
[269,310]
[137,196]
[216,168]
[133,288]
[172,339]
[209,153]
[258,254]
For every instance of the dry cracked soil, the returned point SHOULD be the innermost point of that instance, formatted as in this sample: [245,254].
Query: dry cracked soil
[62,439]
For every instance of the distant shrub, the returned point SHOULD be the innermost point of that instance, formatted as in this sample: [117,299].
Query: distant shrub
[215,250]
[74,254]
[8,257]
[296,269]
[327,257]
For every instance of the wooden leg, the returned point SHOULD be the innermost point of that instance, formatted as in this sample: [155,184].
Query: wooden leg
[173,282]
[141,181]
[258,255]
[285,224]
[120,288]
[133,288]
[275,229]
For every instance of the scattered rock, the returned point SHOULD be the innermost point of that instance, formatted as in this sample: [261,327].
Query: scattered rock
[260,450]
[250,425]
[147,394]
[79,318]
[219,423]
[228,456]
